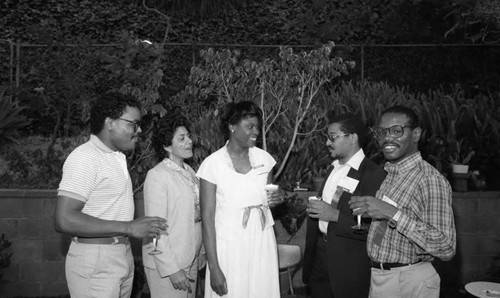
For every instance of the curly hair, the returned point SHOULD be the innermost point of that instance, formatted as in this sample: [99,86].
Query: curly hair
[164,130]
[112,105]
[351,124]
[232,113]
[409,113]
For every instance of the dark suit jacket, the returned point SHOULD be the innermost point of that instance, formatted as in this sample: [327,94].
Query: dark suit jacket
[348,262]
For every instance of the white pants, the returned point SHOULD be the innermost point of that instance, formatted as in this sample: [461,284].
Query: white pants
[99,270]
[413,281]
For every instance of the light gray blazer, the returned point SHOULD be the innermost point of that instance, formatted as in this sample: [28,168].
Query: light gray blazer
[170,192]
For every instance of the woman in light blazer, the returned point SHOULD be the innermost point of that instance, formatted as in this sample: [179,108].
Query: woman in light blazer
[171,191]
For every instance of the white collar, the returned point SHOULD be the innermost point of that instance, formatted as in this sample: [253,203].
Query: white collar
[354,162]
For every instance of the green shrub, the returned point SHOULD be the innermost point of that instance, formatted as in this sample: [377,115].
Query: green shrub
[35,162]
[11,118]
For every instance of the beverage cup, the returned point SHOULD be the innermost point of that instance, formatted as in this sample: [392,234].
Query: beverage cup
[270,188]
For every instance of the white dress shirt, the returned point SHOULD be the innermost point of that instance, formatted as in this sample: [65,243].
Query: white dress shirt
[338,173]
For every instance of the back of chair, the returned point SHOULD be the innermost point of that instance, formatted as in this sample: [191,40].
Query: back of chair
[288,257]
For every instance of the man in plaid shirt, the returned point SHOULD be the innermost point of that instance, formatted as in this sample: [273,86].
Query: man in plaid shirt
[412,213]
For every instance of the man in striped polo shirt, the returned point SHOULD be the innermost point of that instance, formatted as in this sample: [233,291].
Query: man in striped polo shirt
[412,215]
[95,203]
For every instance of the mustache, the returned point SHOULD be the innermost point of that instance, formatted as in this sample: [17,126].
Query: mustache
[389,143]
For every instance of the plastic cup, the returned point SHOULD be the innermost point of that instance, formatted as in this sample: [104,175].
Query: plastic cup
[270,188]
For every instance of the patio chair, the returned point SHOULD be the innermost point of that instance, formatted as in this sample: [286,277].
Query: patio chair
[289,257]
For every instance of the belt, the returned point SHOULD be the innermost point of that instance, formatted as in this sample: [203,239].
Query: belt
[323,236]
[246,215]
[388,266]
[102,240]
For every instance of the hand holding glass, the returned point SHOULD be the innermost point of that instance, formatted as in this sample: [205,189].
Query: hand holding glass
[360,228]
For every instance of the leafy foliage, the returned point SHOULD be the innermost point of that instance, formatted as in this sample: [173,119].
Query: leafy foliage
[35,162]
[477,20]
[285,88]
[291,213]
[11,118]
[257,22]
[63,82]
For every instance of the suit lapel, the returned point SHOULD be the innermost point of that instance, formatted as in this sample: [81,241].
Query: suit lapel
[329,171]
[354,174]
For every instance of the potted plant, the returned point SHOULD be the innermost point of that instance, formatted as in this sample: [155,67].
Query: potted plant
[291,213]
[460,159]
[436,149]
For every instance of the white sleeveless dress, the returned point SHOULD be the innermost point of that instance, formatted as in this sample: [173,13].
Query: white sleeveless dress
[247,255]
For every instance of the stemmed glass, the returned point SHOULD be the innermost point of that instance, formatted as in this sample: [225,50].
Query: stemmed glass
[360,228]
[155,250]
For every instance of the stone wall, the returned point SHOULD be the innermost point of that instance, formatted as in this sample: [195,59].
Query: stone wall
[37,268]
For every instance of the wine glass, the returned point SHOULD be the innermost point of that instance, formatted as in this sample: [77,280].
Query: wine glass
[360,228]
[155,250]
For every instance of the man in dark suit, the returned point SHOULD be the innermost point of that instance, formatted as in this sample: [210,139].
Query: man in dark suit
[336,263]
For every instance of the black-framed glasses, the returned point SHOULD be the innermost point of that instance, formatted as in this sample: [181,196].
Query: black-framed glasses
[395,131]
[335,137]
[136,124]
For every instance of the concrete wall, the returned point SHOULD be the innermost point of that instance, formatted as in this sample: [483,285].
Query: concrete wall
[37,268]
[37,264]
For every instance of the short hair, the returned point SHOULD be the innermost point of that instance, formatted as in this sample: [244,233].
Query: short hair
[409,113]
[112,105]
[351,124]
[164,130]
[232,113]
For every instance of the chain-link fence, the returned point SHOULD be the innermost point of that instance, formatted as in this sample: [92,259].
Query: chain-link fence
[420,67]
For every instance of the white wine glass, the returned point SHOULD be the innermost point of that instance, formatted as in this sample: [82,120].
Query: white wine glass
[360,227]
[155,250]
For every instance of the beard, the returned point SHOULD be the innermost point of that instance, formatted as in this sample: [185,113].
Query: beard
[335,155]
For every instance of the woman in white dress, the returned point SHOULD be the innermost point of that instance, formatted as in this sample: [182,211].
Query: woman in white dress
[171,191]
[238,230]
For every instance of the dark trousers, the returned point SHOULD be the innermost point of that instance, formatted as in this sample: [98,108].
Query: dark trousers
[319,281]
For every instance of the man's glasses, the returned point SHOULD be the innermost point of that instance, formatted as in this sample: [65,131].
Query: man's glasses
[136,124]
[395,131]
[334,138]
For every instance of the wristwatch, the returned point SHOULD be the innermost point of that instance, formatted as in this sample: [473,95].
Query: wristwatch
[393,222]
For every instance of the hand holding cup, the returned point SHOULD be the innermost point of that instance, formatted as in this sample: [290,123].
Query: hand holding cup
[274,195]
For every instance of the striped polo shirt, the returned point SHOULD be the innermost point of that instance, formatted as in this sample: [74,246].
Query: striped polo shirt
[98,176]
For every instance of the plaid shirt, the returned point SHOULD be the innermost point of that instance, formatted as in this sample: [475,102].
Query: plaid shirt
[426,228]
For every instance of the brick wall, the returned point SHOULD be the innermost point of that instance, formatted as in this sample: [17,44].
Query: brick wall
[37,268]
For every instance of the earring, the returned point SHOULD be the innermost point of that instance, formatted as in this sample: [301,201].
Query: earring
[232,130]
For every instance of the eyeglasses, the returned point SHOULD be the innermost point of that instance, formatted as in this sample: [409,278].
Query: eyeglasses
[395,131]
[334,138]
[136,124]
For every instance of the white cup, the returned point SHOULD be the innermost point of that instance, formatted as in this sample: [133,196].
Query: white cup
[269,189]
